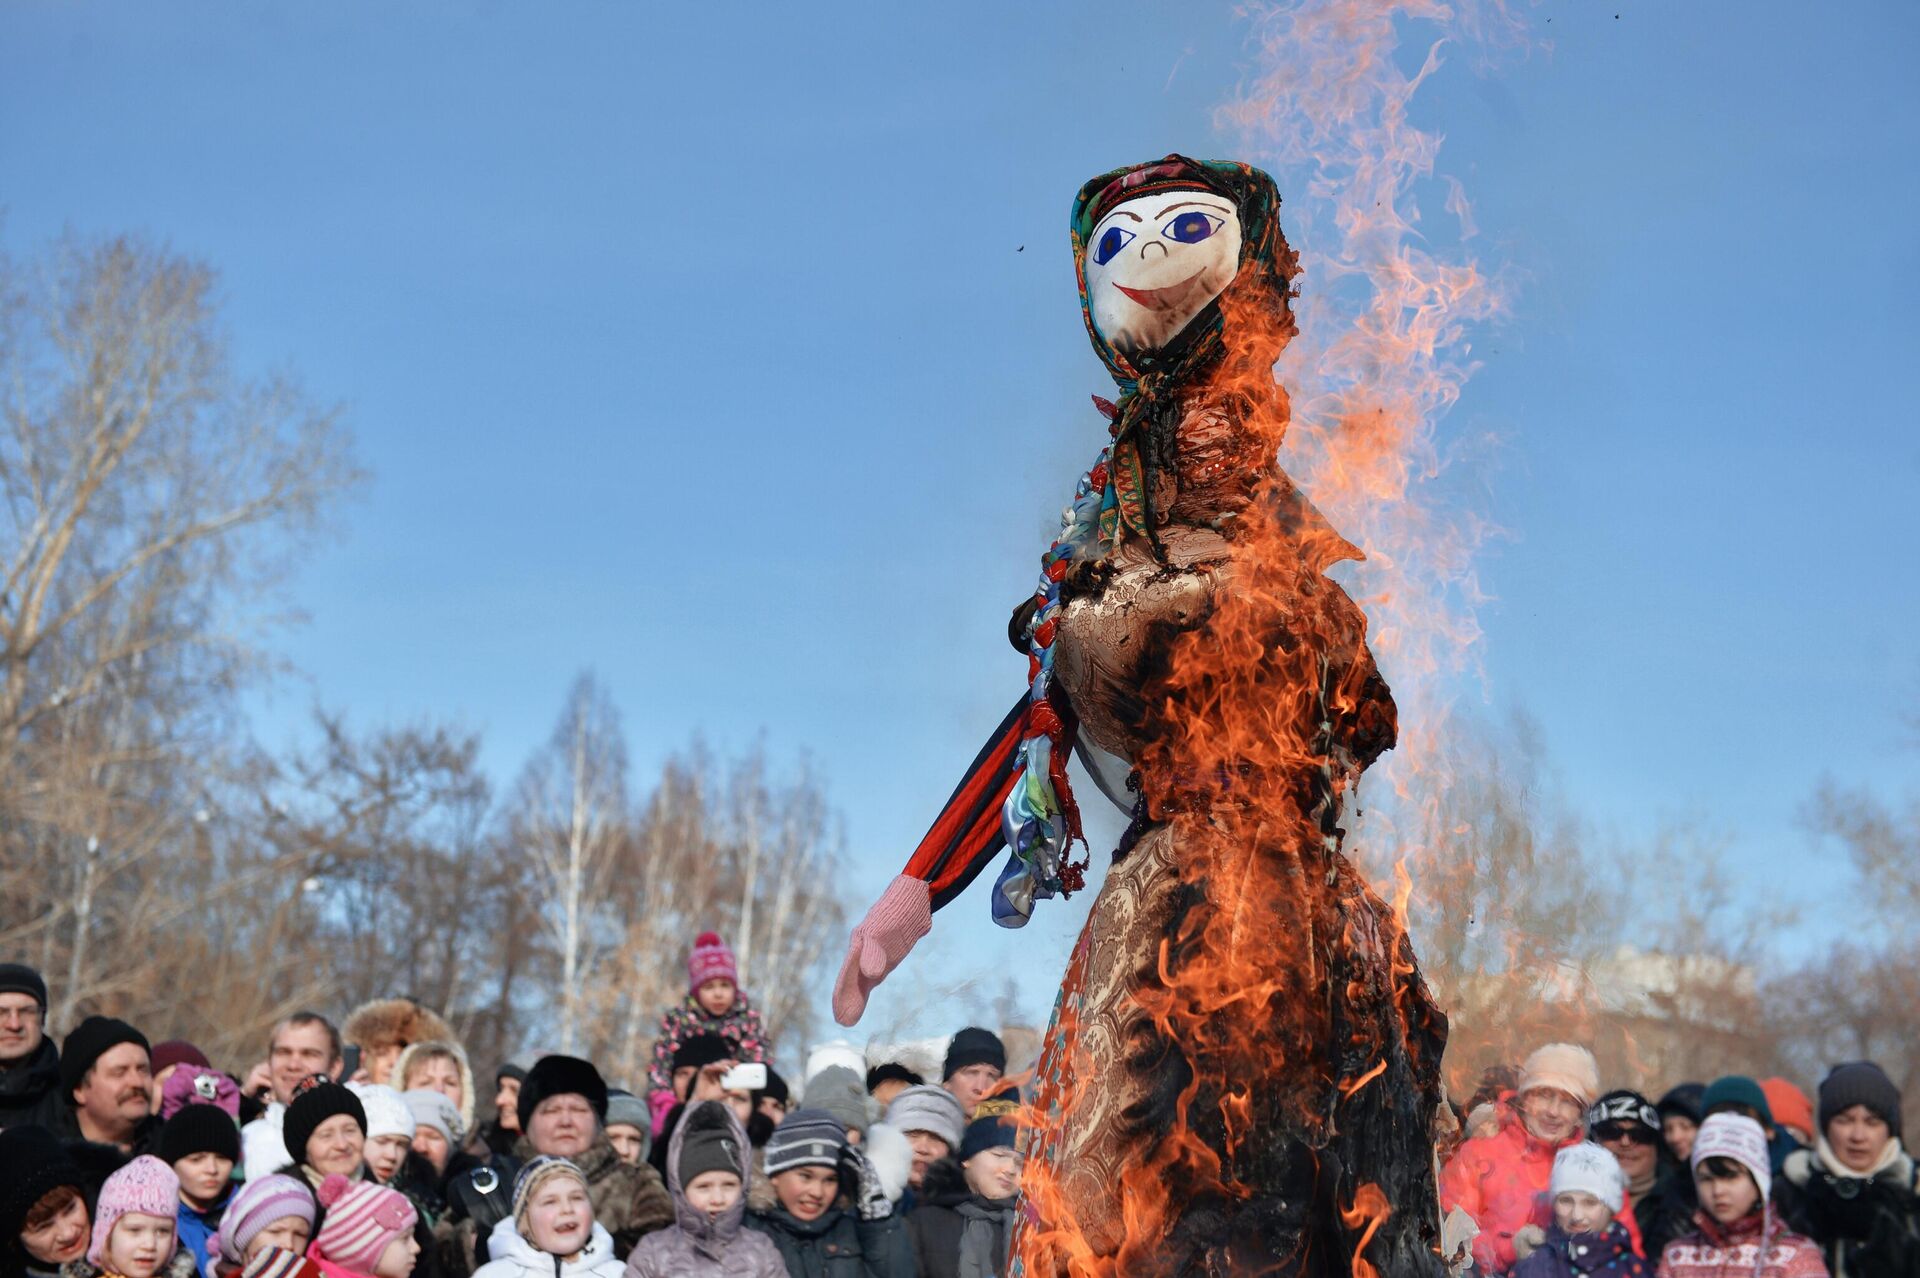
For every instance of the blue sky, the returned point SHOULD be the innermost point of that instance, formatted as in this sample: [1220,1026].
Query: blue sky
[732,351]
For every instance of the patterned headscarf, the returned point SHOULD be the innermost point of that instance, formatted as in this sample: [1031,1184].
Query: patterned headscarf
[1113,500]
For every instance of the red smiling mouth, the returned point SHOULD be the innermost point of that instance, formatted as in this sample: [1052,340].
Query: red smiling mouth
[1168,298]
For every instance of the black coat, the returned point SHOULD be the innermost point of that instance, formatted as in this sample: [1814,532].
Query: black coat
[30,1092]
[837,1245]
[935,1227]
[1665,1213]
[1865,1228]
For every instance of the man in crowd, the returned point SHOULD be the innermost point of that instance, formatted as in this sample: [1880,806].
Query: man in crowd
[29,1062]
[562,1108]
[302,1045]
[976,1062]
[106,1079]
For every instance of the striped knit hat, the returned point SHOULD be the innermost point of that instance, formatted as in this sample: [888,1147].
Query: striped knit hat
[807,1138]
[254,1207]
[147,1187]
[539,1169]
[362,1218]
[278,1262]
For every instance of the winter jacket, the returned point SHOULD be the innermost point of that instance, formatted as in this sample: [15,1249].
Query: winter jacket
[1495,1179]
[194,1228]
[1713,1250]
[1608,1254]
[699,1246]
[628,1201]
[1665,1213]
[515,1257]
[937,1227]
[740,1027]
[30,1092]
[1867,1226]
[837,1245]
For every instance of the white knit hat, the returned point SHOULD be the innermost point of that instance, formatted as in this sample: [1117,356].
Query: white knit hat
[1737,1137]
[1565,1066]
[387,1114]
[1586,1168]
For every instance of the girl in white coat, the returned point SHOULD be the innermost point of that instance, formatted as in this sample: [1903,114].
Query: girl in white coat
[552,1233]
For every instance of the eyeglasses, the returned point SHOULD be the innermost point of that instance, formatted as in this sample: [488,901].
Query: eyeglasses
[28,1015]
[1632,1133]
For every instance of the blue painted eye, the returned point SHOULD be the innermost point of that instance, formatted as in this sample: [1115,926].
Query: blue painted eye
[1191,228]
[1112,242]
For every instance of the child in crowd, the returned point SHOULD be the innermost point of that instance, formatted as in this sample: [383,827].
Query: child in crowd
[976,1062]
[134,1223]
[934,1126]
[201,1144]
[715,1004]
[706,1173]
[552,1232]
[810,1164]
[1586,1192]
[966,1204]
[436,1128]
[274,1212]
[366,1231]
[1735,1231]
[627,1125]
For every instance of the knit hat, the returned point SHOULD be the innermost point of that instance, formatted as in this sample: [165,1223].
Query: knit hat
[892,1072]
[427,1108]
[1624,1106]
[711,959]
[776,1088]
[1587,1168]
[278,1262]
[518,1073]
[199,1129]
[927,1108]
[561,1076]
[33,1163]
[1736,1089]
[1683,1100]
[388,1113]
[1789,1106]
[626,1109]
[1737,1137]
[974,1046]
[708,1142]
[1566,1066]
[191,1085]
[315,1100]
[1860,1083]
[701,1050]
[806,1138]
[538,1170]
[361,1219]
[90,1040]
[839,1091]
[254,1207]
[177,1051]
[146,1186]
[18,978]
[988,1131]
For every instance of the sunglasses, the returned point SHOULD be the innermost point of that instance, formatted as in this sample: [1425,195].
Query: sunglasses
[1632,1133]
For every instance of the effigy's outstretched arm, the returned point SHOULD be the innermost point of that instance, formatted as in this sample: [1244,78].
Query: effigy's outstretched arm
[959,844]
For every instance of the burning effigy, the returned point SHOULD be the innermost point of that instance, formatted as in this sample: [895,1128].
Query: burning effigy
[1243,1067]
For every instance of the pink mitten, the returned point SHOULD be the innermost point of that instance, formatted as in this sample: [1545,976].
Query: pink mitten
[659,1104]
[902,915]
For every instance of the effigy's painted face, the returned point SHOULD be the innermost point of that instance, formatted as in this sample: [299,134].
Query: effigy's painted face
[1155,261]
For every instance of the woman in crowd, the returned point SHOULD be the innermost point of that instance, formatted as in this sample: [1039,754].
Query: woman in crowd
[1857,1188]
[44,1221]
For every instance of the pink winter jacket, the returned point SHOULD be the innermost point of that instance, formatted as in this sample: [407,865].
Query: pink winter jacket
[1734,1251]
[1496,1179]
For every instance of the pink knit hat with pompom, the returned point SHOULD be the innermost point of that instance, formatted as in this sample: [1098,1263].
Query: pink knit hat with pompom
[362,1218]
[711,959]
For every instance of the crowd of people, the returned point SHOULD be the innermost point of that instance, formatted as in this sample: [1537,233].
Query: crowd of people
[368,1150]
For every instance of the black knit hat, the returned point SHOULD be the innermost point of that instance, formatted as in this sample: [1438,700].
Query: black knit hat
[33,1164]
[974,1046]
[701,1050]
[200,1129]
[1860,1083]
[988,1131]
[708,1142]
[776,1088]
[518,1073]
[1624,1106]
[892,1071]
[561,1076]
[90,1040]
[18,978]
[1683,1100]
[315,1100]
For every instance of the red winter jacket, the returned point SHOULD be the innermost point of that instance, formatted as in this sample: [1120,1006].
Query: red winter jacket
[1713,1250]
[1496,1180]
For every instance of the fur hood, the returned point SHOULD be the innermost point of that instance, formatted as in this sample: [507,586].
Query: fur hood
[393,1022]
[459,1054]
[887,1149]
